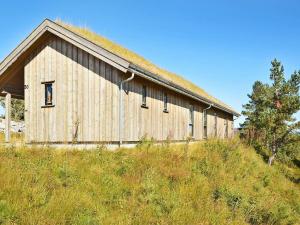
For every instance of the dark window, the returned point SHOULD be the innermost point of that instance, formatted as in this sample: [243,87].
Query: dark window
[165,102]
[48,94]
[205,124]
[144,96]
[191,121]
[216,125]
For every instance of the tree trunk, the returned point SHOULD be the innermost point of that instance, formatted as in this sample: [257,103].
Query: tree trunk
[273,150]
[271,159]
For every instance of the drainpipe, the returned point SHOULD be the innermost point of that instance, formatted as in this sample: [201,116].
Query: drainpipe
[204,111]
[121,118]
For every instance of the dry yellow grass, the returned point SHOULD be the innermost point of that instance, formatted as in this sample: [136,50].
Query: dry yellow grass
[214,182]
[139,60]
[16,138]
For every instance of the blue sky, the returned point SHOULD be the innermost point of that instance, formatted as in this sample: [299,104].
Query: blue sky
[223,46]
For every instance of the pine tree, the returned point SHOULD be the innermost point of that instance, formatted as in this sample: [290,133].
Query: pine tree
[270,112]
[17,108]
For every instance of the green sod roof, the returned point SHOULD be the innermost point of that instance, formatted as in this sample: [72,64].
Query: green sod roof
[140,61]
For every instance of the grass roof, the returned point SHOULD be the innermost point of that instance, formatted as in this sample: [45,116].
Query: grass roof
[138,60]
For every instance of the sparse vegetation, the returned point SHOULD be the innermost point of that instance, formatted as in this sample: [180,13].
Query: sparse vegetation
[17,108]
[222,182]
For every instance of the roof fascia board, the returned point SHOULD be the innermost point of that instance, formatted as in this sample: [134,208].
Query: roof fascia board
[22,47]
[69,36]
[88,46]
[158,80]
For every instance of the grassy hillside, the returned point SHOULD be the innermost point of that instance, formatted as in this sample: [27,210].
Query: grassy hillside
[214,182]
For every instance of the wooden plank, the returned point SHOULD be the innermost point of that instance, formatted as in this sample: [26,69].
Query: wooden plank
[34,103]
[42,74]
[75,121]
[69,96]
[115,106]
[80,108]
[64,92]
[127,132]
[31,94]
[85,103]
[26,100]
[97,101]
[52,76]
[108,103]
[91,98]
[102,105]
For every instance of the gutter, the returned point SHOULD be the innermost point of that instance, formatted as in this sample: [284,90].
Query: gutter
[121,116]
[170,85]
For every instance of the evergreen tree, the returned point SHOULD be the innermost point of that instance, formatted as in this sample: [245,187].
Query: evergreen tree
[17,108]
[270,112]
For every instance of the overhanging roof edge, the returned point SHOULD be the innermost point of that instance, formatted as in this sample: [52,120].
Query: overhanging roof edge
[67,35]
[157,79]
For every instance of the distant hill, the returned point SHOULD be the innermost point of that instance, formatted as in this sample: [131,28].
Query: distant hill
[214,182]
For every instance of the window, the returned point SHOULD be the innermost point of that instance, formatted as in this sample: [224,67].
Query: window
[216,125]
[191,121]
[144,97]
[48,93]
[205,124]
[166,103]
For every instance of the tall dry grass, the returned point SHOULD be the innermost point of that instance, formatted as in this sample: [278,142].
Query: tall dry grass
[214,182]
[16,138]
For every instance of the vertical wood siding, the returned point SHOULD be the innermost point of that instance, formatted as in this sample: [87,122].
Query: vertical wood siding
[86,99]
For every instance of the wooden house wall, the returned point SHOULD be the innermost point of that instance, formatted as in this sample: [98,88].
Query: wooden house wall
[86,99]
[153,121]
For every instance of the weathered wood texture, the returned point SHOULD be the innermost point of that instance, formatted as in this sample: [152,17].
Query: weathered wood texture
[86,99]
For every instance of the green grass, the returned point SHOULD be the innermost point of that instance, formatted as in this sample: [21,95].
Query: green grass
[138,60]
[214,182]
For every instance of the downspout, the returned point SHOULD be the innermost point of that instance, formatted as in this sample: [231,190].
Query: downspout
[121,118]
[204,111]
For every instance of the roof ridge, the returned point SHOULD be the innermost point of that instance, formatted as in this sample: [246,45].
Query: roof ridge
[136,59]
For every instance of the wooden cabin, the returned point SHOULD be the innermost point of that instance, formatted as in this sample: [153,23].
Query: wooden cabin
[78,89]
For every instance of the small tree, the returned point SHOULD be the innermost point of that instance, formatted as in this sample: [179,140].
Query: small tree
[17,108]
[271,109]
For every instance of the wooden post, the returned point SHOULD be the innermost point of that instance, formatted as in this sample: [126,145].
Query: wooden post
[7,116]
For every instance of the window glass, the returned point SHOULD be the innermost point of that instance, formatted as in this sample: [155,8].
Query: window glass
[191,120]
[165,102]
[205,124]
[48,94]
